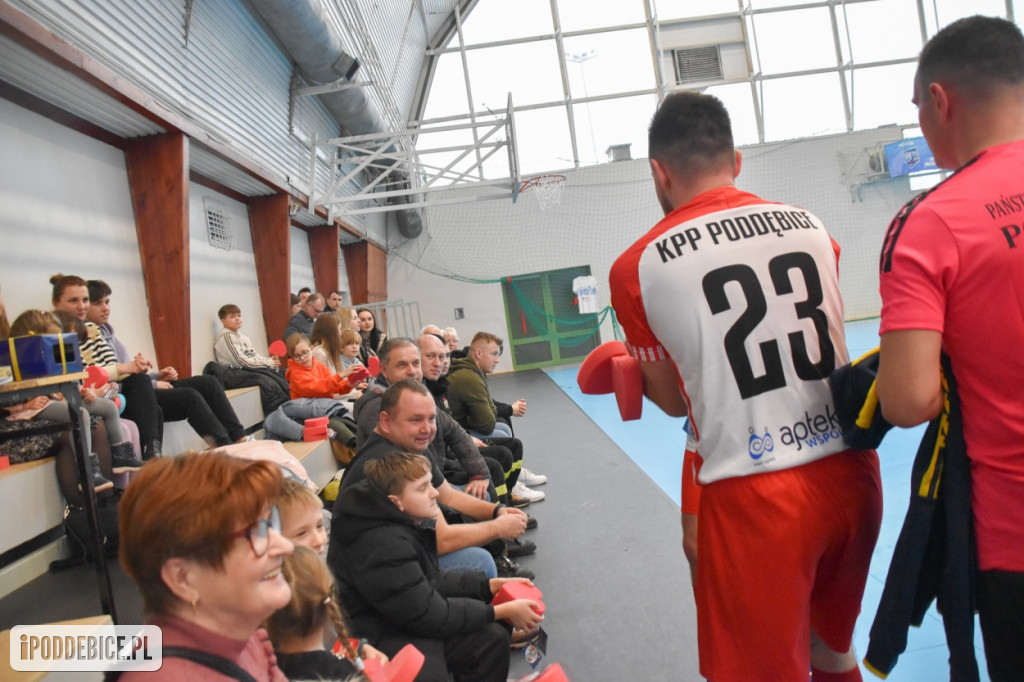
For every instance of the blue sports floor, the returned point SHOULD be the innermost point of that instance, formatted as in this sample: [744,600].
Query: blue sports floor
[655,444]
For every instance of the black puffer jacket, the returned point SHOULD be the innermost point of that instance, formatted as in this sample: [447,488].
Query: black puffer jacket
[388,577]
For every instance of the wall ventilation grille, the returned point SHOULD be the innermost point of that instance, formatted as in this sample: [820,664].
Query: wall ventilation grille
[218,224]
[698,64]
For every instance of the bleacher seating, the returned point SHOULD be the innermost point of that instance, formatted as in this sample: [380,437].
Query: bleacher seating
[31,503]
[179,437]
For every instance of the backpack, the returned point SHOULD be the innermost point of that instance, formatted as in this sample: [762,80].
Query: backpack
[76,528]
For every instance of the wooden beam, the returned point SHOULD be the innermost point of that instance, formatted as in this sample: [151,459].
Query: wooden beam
[376,273]
[271,243]
[158,178]
[323,253]
[367,267]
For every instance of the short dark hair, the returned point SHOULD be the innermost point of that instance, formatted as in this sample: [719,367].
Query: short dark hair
[392,344]
[228,309]
[306,290]
[976,54]
[691,133]
[98,289]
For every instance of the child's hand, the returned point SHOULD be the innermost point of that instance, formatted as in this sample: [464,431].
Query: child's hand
[88,394]
[520,613]
[275,361]
[370,652]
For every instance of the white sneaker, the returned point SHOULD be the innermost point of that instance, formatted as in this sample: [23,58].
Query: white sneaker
[520,490]
[527,477]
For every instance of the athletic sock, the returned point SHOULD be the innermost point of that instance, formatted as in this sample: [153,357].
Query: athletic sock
[852,675]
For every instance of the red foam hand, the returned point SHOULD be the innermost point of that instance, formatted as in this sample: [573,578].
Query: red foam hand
[628,383]
[517,589]
[97,378]
[403,667]
[318,433]
[373,364]
[278,348]
[595,375]
[358,373]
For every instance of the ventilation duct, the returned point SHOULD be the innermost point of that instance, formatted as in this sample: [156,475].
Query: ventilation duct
[308,38]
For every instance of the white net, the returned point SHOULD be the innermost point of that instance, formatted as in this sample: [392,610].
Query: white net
[546,189]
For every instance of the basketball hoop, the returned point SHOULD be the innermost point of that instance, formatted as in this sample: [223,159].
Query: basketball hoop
[547,189]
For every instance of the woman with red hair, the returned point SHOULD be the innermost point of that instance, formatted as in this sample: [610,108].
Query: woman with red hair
[202,540]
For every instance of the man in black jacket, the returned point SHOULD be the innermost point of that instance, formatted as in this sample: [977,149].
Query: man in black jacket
[407,422]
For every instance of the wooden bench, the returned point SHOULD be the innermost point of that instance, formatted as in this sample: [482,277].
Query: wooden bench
[316,457]
[180,437]
[31,503]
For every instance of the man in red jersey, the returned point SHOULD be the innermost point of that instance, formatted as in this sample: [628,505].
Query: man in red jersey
[731,305]
[952,281]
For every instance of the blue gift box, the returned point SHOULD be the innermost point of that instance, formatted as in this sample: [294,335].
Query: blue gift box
[41,355]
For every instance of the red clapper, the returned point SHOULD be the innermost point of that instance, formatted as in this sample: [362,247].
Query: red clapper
[517,589]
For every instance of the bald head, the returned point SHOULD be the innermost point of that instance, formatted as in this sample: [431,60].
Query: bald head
[431,329]
[433,355]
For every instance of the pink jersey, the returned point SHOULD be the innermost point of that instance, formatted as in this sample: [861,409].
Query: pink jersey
[953,262]
[743,295]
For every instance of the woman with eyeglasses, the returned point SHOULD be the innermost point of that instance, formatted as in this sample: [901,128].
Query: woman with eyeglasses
[202,540]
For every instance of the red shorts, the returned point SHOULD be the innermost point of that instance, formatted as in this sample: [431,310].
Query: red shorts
[781,554]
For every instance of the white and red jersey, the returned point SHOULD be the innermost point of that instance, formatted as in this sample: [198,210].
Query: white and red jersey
[743,295]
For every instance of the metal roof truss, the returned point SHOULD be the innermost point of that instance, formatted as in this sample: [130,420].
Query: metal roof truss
[392,163]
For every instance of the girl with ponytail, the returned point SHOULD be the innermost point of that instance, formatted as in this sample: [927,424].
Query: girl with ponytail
[298,629]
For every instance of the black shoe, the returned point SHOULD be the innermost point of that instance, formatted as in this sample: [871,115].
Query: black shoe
[151,449]
[99,483]
[517,548]
[510,569]
[531,522]
[122,458]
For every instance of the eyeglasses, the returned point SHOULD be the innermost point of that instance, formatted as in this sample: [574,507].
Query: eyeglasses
[303,354]
[259,532]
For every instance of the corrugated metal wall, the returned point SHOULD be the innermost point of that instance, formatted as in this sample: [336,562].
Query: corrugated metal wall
[389,39]
[231,78]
